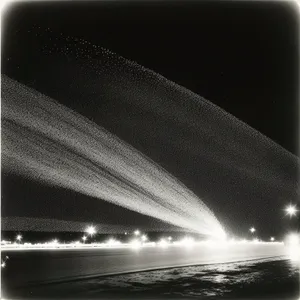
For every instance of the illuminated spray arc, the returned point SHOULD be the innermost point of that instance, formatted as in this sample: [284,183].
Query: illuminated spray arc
[47,141]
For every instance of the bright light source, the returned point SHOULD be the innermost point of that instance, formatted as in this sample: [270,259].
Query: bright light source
[252,229]
[126,233]
[272,239]
[84,238]
[55,241]
[137,232]
[3,264]
[144,238]
[136,244]
[170,238]
[112,242]
[188,241]
[293,239]
[90,230]
[19,237]
[163,243]
[293,242]
[291,210]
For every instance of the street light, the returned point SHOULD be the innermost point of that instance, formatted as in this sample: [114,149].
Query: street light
[291,210]
[252,229]
[84,238]
[272,239]
[90,230]
[19,237]
[144,238]
[137,232]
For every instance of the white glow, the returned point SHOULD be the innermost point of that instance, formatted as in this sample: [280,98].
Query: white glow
[84,238]
[90,230]
[272,239]
[293,246]
[19,237]
[294,253]
[170,238]
[3,264]
[113,242]
[144,238]
[135,244]
[293,239]
[188,242]
[291,210]
[163,243]
[137,232]
[252,229]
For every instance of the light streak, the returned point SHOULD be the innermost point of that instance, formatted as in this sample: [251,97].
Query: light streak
[48,141]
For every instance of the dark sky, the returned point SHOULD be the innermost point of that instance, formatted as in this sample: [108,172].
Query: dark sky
[242,56]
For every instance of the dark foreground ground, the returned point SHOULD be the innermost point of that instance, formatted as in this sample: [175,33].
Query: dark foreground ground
[274,278]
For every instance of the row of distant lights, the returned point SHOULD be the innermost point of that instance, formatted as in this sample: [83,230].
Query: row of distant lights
[141,239]
[291,210]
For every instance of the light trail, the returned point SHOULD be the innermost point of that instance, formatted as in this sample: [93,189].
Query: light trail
[47,141]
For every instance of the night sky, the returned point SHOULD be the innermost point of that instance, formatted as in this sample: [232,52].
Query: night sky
[243,57]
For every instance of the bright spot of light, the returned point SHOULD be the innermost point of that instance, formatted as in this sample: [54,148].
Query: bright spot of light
[188,242]
[3,265]
[163,243]
[272,239]
[137,232]
[19,237]
[84,238]
[293,239]
[113,242]
[291,210]
[90,230]
[293,246]
[294,253]
[252,229]
[55,241]
[170,238]
[135,244]
[144,238]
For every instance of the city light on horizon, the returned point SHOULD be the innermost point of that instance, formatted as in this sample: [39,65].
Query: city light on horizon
[19,237]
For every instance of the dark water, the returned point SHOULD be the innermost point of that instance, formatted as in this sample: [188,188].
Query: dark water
[274,278]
